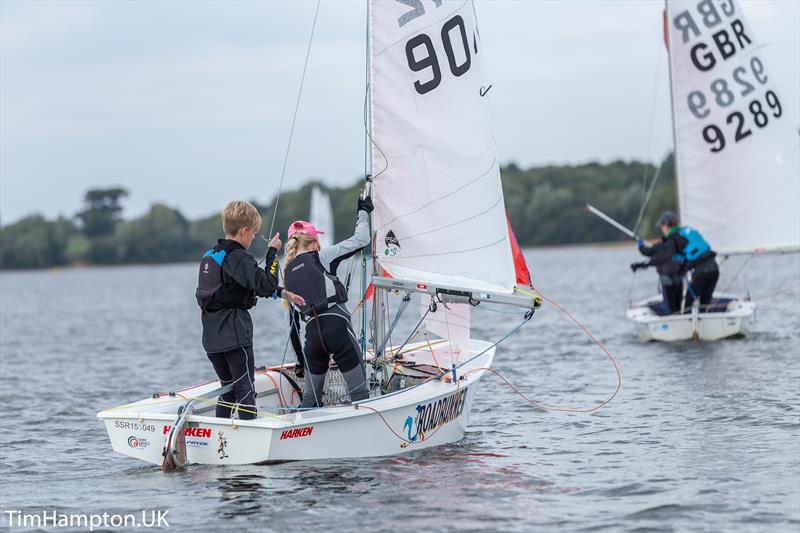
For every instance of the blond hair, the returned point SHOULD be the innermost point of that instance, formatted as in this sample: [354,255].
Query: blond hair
[238,215]
[299,242]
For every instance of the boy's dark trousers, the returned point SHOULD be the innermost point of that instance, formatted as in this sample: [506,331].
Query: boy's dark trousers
[236,366]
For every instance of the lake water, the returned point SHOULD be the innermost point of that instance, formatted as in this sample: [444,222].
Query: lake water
[702,436]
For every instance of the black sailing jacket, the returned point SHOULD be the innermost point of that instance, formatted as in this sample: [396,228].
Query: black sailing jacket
[662,254]
[231,328]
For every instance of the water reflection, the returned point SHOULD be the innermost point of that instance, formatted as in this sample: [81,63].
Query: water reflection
[241,495]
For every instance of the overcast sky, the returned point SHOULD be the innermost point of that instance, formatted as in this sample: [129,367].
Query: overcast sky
[190,103]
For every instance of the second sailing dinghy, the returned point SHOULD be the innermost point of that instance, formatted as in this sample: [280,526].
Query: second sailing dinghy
[440,229]
[737,157]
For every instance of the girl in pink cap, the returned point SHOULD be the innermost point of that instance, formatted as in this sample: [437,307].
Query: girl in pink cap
[310,272]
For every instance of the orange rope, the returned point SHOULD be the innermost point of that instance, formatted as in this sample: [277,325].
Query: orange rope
[597,342]
[277,388]
[430,348]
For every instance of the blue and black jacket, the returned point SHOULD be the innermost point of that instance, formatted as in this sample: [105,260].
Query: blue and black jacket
[663,254]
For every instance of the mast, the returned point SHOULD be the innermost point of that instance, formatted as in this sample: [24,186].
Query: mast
[367,173]
[378,303]
[672,111]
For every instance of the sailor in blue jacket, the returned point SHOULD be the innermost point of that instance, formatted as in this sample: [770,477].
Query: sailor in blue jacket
[700,260]
[681,250]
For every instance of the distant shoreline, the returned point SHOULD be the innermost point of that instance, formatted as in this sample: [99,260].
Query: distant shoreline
[604,244]
[89,266]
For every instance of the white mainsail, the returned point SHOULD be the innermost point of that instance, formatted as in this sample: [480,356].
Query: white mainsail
[439,210]
[737,149]
[321,215]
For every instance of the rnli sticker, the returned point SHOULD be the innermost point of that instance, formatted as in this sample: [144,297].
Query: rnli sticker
[138,442]
[392,245]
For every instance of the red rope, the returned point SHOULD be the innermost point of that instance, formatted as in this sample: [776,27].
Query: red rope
[597,342]
[558,306]
[406,442]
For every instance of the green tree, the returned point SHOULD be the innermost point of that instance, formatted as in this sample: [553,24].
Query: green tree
[35,242]
[102,211]
[159,236]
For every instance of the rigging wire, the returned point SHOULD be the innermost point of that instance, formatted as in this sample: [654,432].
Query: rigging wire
[294,119]
[647,197]
[736,276]
[371,140]
[630,289]
[646,194]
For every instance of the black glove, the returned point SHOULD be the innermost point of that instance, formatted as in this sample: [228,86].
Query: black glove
[637,266]
[365,204]
[299,371]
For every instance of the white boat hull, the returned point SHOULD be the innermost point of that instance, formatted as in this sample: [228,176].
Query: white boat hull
[692,325]
[431,414]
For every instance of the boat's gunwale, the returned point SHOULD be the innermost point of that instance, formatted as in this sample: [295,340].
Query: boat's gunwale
[746,309]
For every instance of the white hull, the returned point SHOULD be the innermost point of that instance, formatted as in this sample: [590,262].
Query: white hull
[433,413]
[692,325]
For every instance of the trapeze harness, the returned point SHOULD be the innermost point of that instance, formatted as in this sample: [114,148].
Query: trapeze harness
[213,293]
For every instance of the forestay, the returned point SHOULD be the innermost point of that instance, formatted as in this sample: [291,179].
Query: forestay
[439,210]
[737,150]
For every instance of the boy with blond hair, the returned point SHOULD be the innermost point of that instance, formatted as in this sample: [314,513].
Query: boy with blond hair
[229,283]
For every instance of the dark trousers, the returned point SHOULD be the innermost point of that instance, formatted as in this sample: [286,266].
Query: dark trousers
[236,366]
[331,335]
[328,336]
[671,293]
[704,281]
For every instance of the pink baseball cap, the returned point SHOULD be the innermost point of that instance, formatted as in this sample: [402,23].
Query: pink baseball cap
[306,228]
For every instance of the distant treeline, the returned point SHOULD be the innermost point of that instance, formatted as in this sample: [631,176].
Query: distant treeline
[546,205]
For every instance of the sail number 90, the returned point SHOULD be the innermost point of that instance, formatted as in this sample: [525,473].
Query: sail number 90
[427,59]
[713,134]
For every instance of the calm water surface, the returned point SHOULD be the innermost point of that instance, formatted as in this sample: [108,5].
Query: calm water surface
[702,437]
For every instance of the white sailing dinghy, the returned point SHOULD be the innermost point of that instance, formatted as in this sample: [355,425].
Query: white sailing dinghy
[321,215]
[737,157]
[440,229]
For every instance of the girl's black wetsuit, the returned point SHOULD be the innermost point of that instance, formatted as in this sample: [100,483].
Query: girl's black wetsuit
[329,332]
